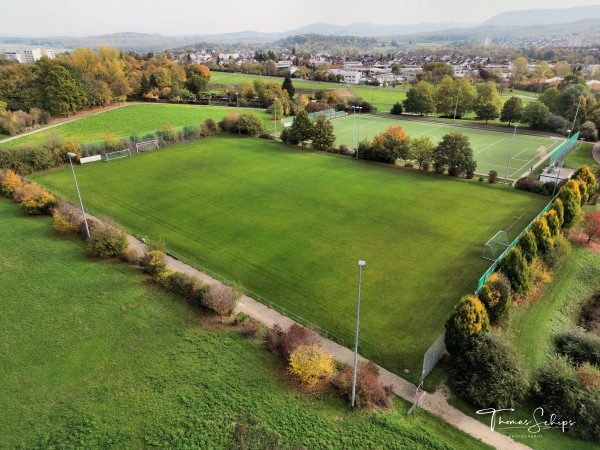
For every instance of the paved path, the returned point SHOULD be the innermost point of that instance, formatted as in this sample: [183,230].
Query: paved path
[596,152]
[435,403]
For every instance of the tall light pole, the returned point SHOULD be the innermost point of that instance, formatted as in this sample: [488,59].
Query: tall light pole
[237,99]
[275,121]
[358,138]
[361,264]
[87,229]
[510,154]
[456,105]
[353,126]
[575,118]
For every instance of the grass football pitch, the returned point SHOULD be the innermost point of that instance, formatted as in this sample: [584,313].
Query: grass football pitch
[491,149]
[94,356]
[291,225]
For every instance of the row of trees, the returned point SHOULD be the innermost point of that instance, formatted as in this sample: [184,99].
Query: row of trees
[484,368]
[86,78]
[555,110]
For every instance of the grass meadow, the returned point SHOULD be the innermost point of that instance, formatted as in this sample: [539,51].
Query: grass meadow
[138,119]
[491,149]
[95,356]
[291,225]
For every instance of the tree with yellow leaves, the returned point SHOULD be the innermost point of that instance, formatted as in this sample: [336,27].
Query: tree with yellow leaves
[311,364]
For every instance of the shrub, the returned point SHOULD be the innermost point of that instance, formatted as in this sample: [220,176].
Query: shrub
[514,266]
[590,314]
[108,241]
[579,346]
[542,234]
[285,342]
[525,184]
[468,320]
[557,206]
[495,295]
[154,263]
[311,364]
[528,246]
[250,124]
[591,225]
[493,177]
[370,391]
[560,248]
[488,373]
[66,219]
[562,390]
[344,150]
[133,256]
[10,183]
[186,286]
[396,109]
[250,329]
[553,222]
[211,126]
[222,299]
[571,199]
[589,375]
[34,199]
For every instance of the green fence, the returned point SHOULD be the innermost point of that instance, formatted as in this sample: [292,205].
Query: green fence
[564,149]
[329,113]
[493,267]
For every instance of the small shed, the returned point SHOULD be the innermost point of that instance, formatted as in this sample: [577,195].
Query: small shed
[550,174]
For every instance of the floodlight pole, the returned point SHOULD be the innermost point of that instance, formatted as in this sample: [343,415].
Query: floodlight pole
[353,125]
[361,264]
[237,99]
[87,229]
[358,138]
[456,105]
[557,177]
[575,118]
[510,154]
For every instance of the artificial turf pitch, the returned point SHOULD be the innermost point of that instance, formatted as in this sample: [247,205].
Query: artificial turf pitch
[291,225]
[491,149]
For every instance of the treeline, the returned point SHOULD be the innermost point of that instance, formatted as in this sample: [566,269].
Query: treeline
[85,78]
[556,110]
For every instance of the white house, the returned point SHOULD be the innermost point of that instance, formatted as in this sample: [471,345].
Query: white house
[227,56]
[285,64]
[15,56]
[350,76]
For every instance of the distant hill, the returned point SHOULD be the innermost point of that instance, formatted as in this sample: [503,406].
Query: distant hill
[544,16]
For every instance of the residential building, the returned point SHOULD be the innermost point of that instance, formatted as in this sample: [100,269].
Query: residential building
[15,56]
[33,55]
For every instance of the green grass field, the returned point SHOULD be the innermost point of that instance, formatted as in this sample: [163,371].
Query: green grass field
[95,356]
[139,119]
[491,149]
[291,226]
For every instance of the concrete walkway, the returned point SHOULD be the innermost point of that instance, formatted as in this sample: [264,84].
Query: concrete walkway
[596,152]
[435,403]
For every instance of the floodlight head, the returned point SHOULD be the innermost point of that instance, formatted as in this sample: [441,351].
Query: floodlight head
[568,131]
[361,263]
[71,155]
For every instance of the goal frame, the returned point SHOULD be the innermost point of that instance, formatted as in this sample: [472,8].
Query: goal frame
[497,245]
[125,153]
[140,146]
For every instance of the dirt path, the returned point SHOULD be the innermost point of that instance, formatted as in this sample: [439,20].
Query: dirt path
[596,152]
[61,121]
[435,403]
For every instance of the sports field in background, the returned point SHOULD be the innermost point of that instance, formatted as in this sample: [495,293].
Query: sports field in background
[291,224]
[491,149]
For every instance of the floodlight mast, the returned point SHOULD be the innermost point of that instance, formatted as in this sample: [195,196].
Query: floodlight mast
[361,265]
[510,155]
[87,229]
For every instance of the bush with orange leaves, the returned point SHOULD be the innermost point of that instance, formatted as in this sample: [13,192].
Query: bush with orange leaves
[10,182]
[34,199]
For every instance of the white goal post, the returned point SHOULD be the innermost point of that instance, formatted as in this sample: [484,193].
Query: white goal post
[144,146]
[496,246]
[118,154]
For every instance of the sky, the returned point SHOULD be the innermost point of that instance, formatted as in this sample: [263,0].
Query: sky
[44,18]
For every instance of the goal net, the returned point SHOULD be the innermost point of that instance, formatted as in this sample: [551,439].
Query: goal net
[118,154]
[146,145]
[496,246]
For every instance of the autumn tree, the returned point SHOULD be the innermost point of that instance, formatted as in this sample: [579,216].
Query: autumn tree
[222,299]
[587,180]
[322,136]
[445,97]
[536,114]
[311,364]
[519,70]
[557,206]
[528,246]
[10,182]
[495,295]
[551,98]
[570,196]
[553,222]
[512,110]
[422,151]
[591,225]
[543,236]
[61,94]
[394,141]
[468,320]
